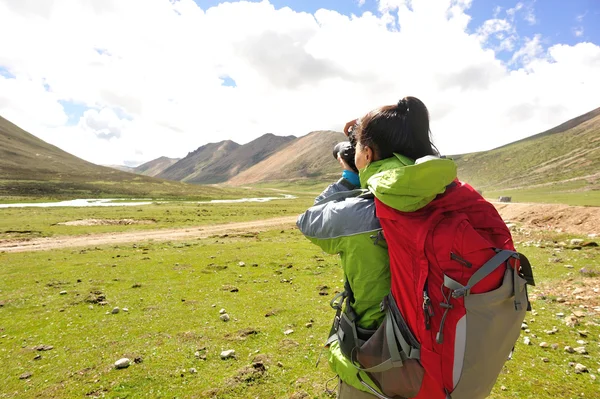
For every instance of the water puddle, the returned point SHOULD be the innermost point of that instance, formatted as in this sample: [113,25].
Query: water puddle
[80,203]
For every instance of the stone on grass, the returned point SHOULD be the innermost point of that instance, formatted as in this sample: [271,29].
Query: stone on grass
[115,310]
[63,293]
[544,345]
[581,350]
[125,309]
[524,326]
[193,371]
[241,264]
[576,241]
[554,346]
[122,363]
[224,317]
[580,368]
[222,311]
[25,375]
[569,349]
[527,341]
[227,354]
[288,332]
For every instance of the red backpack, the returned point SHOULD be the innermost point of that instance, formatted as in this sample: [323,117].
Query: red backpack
[459,287]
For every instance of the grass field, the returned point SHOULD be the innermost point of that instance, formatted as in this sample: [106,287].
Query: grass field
[174,291]
[43,222]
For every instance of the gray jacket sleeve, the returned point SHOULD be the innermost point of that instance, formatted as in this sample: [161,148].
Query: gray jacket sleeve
[340,185]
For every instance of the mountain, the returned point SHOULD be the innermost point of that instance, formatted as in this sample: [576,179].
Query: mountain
[309,156]
[218,162]
[30,166]
[154,167]
[568,153]
[194,162]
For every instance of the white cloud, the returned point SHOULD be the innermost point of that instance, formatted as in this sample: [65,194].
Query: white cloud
[360,3]
[578,31]
[150,73]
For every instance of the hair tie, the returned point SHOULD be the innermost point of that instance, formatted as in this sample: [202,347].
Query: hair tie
[402,106]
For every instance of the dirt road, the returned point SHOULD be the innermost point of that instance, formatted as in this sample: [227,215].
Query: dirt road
[42,244]
[570,219]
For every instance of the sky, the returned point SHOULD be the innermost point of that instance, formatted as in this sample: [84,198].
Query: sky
[122,82]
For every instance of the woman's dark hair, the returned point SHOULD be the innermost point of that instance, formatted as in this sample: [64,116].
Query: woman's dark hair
[402,128]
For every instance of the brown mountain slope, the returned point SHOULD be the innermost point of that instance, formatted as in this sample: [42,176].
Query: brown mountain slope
[154,167]
[240,159]
[195,162]
[25,157]
[31,167]
[309,156]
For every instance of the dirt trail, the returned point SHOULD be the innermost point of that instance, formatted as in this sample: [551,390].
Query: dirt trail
[43,244]
[571,219]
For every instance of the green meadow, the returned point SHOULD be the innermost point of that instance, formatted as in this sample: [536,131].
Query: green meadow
[268,283]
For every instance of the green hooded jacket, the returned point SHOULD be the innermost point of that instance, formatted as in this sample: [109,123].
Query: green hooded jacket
[343,223]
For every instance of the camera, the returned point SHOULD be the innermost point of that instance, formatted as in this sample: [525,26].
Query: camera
[346,150]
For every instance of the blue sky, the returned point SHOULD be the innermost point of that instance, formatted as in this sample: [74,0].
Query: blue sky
[557,21]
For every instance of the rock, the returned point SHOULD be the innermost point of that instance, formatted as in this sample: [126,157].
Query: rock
[193,371]
[561,300]
[63,293]
[545,360]
[572,321]
[527,341]
[589,244]
[580,368]
[544,345]
[224,317]
[578,313]
[25,375]
[241,264]
[288,332]
[581,350]
[115,310]
[222,311]
[576,241]
[568,266]
[561,315]
[524,326]
[583,333]
[122,363]
[511,226]
[308,325]
[578,291]
[569,349]
[43,348]
[38,357]
[581,342]
[125,309]
[593,377]
[279,364]
[503,388]
[228,354]
[554,346]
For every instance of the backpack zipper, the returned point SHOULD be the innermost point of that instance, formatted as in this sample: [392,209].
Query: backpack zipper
[427,308]
[460,260]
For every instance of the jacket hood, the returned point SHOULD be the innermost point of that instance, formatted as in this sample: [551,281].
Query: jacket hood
[407,185]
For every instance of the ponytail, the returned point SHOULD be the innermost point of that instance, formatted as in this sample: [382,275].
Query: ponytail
[402,128]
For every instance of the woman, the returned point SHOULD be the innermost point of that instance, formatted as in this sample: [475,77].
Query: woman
[344,222]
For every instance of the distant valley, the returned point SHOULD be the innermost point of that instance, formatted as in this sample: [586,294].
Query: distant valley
[565,158]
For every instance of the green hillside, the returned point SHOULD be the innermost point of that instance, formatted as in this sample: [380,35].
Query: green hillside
[31,167]
[563,159]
